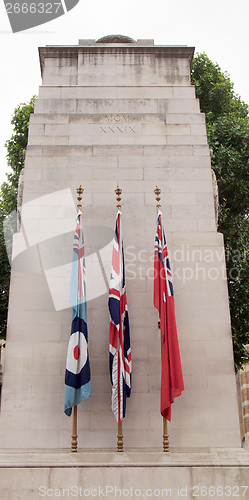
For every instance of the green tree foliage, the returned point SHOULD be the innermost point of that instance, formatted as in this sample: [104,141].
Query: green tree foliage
[8,196]
[4,284]
[228,135]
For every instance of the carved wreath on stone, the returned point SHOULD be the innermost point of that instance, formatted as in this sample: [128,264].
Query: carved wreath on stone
[115,39]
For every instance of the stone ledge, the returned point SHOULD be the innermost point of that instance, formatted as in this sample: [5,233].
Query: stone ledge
[72,51]
[214,457]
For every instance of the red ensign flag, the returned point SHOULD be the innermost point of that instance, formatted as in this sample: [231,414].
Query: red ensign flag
[171,376]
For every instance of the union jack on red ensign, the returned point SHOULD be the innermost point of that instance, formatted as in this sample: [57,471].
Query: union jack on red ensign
[171,371]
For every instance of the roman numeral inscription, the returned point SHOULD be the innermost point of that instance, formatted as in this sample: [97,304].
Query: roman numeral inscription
[117,129]
[117,118]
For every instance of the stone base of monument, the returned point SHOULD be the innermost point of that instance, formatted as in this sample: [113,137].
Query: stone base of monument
[214,473]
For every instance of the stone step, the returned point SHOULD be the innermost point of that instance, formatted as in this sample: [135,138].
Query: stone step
[114,137]
[193,166]
[99,92]
[102,118]
[119,129]
[128,150]
[117,106]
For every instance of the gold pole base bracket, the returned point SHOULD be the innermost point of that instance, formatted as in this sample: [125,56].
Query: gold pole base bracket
[120,443]
[165,436]
[74,442]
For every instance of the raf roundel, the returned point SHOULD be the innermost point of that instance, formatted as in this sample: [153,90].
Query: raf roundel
[78,348]
[76,352]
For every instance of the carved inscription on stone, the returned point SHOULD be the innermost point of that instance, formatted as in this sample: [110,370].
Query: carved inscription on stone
[117,129]
[117,118]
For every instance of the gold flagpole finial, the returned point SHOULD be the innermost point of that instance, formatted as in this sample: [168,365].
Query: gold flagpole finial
[157,192]
[79,192]
[118,192]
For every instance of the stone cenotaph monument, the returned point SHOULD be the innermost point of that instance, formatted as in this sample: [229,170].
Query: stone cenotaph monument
[119,112]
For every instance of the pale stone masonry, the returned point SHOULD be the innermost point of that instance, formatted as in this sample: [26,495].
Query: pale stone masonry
[123,113]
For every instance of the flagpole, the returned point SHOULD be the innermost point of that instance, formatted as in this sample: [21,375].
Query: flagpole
[157,192]
[120,438]
[74,442]
[120,443]
[165,435]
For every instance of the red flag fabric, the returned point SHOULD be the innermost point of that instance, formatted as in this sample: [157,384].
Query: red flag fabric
[172,383]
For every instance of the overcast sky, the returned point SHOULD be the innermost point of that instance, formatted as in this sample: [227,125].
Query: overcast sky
[217,27]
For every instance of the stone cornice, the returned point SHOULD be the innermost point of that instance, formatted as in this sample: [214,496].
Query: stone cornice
[160,51]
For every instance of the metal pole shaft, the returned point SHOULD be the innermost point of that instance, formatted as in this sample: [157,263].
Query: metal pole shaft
[74,442]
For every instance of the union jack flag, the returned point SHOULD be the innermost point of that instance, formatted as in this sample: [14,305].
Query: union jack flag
[77,376]
[171,371]
[119,335]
